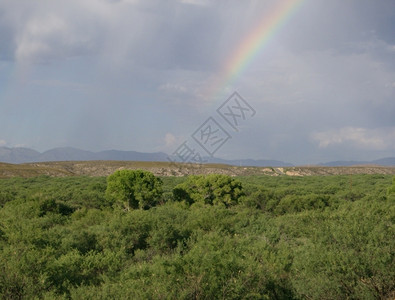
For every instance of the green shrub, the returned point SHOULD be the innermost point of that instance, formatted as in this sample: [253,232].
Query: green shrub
[134,189]
[391,189]
[59,240]
[211,189]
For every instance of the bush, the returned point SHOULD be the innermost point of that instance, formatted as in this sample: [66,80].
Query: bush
[210,189]
[134,189]
[261,199]
[58,242]
[391,190]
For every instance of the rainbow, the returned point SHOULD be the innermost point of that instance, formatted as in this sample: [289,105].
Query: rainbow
[254,43]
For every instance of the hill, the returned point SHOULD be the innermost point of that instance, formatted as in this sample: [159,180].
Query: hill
[18,155]
[388,161]
[25,155]
[104,168]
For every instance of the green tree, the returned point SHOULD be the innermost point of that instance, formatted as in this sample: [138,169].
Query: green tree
[134,189]
[210,189]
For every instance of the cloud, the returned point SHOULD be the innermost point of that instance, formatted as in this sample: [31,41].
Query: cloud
[196,2]
[184,88]
[171,142]
[369,139]
[173,87]
[45,31]
[33,40]
[3,143]
[87,73]
[149,34]
[21,146]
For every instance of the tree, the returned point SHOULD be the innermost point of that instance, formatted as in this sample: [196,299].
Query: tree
[210,189]
[134,189]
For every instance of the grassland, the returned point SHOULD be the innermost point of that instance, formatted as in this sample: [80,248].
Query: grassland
[287,237]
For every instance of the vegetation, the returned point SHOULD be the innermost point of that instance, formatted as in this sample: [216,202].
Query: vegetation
[391,190]
[134,189]
[210,189]
[197,237]
[106,168]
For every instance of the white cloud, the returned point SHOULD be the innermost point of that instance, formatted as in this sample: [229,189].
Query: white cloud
[196,2]
[390,85]
[33,40]
[116,29]
[171,140]
[43,31]
[375,139]
[172,87]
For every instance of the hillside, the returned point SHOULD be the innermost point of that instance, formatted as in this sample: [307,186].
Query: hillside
[104,168]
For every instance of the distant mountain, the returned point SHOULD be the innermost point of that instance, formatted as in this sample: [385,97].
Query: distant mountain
[65,153]
[131,155]
[251,162]
[343,163]
[388,161]
[18,155]
[23,155]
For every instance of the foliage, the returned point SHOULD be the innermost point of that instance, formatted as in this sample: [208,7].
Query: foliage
[287,238]
[210,189]
[391,189]
[134,188]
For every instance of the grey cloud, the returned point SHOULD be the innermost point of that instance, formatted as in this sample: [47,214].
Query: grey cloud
[152,34]
[340,25]
[376,139]
[116,66]
[44,31]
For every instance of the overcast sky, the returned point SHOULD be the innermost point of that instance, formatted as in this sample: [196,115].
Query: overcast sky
[134,75]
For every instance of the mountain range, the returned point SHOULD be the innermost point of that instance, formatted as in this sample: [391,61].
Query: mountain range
[388,161]
[25,155]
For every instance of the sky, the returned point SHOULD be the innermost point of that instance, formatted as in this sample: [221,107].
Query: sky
[145,75]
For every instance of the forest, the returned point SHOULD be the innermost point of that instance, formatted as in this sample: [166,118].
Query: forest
[133,235]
